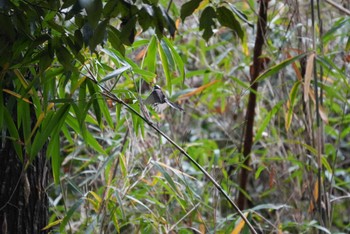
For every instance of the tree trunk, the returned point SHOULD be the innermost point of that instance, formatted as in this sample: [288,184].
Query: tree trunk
[23,198]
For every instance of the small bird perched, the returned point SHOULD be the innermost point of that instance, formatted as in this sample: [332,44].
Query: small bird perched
[159,101]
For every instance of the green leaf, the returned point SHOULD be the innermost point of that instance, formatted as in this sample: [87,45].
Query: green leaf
[227,19]
[127,32]
[64,57]
[115,39]
[23,111]
[95,95]
[105,111]
[178,60]
[266,121]
[93,10]
[116,72]
[168,54]
[240,14]
[51,127]
[165,64]
[188,8]
[169,22]
[337,25]
[150,58]
[92,142]
[167,178]
[292,100]
[276,68]
[207,23]
[147,75]
[70,212]
[53,150]
[146,17]
[11,127]
[98,35]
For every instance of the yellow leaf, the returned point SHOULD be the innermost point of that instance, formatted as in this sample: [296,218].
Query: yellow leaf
[16,95]
[202,5]
[50,225]
[239,225]
[41,118]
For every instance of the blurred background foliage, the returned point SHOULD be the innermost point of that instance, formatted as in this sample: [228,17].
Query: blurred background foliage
[111,173]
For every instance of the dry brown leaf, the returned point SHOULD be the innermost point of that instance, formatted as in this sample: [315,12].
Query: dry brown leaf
[295,68]
[323,114]
[141,54]
[197,90]
[315,197]
[201,225]
[321,110]
[308,76]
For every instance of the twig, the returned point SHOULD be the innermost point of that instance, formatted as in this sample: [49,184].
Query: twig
[344,10]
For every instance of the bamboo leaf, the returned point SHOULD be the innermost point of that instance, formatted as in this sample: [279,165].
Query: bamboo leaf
[51,127]
[11,127]
[168,178]
[115,73]
[188,8]
[177,58]
[276,68]
[150,59]
[70,212]
[165,65]
[266,120]
[239,225]
[53,150]
[308,75]
[290,105]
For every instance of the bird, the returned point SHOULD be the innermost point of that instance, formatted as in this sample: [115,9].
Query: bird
[159,100]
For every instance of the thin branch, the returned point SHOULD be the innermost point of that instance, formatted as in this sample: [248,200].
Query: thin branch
[340,8]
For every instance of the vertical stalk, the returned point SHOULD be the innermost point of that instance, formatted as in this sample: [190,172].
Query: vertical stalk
[257,67]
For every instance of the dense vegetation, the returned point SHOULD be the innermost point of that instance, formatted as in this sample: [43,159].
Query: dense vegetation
[264,135]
